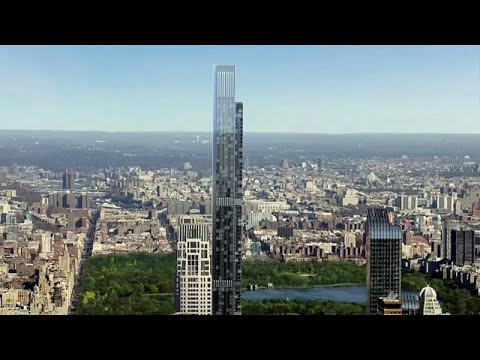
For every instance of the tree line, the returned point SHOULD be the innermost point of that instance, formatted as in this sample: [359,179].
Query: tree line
[302,274]
[300,307]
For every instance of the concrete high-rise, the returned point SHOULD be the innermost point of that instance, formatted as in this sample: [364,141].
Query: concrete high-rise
[463,247]
[3,177]
[405,202]
[448,226]
[85,201]
[68,179]
[227,194]
[349,239]
[194,278]
[384,256]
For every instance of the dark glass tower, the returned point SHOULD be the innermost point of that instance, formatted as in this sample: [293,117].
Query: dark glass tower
[384,257]
[227,194]
[68,179]
[448,226]
[463,247]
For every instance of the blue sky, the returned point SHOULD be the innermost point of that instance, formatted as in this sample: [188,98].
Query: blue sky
[324,89]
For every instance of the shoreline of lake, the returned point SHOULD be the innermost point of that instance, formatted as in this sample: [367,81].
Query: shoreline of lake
[305,287]
[355,293]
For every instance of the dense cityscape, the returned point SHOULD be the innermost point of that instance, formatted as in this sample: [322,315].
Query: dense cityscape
[311,210]
[234,223]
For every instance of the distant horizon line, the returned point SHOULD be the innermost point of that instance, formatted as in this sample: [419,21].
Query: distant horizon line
[248,132]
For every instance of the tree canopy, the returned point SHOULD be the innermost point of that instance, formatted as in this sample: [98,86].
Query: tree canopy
[302,274]
[136,284]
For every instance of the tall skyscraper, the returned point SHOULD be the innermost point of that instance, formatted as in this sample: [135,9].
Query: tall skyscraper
[463,247]
[68,179]
[384,256]
[448,226]
[227,194]
[194,278]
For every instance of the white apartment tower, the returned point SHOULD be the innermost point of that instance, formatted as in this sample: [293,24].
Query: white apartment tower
[45,244]
[194,226]
[406,202]
[194,279]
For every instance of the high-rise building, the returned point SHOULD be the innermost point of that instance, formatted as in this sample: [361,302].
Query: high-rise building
[463,247]
[45,244]
[285,231]
[69,201]
[3,177]
[384,256]
[68,179]
[194,227]
[448,226]
[194,279]
[85,201]
[227,194]
[349,197]
[405,202]
[255,218]
[349,239]
[55,200]
[429,304]
[4,207]
[444,202]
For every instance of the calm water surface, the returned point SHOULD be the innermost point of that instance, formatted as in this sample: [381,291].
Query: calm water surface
[355,294]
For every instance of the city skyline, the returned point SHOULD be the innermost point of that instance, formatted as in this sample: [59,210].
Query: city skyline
[302,89]
[310,216]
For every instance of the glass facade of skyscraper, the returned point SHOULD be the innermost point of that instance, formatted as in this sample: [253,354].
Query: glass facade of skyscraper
[227,194]
[384,256]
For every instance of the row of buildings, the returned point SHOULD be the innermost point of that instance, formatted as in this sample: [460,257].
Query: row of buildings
[39,262]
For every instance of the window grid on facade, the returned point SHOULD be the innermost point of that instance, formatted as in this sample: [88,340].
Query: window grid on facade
[192,294]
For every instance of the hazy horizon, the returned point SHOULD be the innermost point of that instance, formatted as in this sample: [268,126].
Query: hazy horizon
[248,132]
[285,89]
